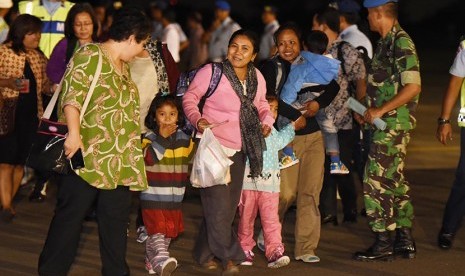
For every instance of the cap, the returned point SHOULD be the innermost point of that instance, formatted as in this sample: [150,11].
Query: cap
[6,4]
[376,3]
[159,4]
[348,6]
[270,9]
[222,5]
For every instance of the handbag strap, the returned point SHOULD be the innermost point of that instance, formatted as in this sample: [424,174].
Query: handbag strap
[51,105]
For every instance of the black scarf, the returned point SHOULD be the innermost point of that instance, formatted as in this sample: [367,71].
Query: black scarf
[253,143]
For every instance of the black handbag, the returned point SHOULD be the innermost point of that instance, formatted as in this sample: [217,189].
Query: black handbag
[47,153]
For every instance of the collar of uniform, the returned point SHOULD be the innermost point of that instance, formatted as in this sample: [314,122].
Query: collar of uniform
[392,33]
[271,25]
[349,29]
[41,3]
[226,21]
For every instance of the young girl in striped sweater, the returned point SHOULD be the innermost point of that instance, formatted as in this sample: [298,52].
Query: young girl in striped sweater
[167,153]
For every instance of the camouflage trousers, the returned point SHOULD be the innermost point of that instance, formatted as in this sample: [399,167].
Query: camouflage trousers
[385,189]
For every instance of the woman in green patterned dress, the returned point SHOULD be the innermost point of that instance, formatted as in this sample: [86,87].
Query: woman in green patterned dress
[109,138]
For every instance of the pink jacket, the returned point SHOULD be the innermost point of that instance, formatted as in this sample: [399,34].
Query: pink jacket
[223,105]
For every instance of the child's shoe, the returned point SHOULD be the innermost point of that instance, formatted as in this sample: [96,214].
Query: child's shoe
[287,161]
[167,267]
[278,260]
[338,168]
[141,234]
[248,258]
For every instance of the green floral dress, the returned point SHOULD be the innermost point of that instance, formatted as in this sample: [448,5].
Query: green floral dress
[110,129]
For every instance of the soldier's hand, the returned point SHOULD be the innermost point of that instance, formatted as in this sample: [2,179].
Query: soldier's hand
[444,133]
[372,113]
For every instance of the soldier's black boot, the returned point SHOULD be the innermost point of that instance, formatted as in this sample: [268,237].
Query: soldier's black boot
[404,245]
[381,250]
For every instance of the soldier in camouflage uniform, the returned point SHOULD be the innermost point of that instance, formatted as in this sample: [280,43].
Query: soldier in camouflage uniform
[392,94]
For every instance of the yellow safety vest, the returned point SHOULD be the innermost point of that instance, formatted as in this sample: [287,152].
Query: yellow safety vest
[461,117]
[53,28]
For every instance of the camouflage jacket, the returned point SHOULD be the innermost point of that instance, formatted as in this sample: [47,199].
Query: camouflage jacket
[395,63]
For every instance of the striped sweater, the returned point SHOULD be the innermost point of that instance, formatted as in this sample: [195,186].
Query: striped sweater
[166,165]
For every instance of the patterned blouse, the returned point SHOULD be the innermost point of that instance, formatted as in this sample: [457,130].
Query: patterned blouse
[110,128]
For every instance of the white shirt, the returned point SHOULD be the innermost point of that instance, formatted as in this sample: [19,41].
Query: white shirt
[458,67]
[173,35]
[355,37]
[144,75]
[267,41]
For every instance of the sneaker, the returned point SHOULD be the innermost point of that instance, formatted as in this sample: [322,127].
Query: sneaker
[248,258]
[287,161]
[278,260]
[261,241]
[148,267]
[141,234]
[308,258]
[168,267]
[338,168]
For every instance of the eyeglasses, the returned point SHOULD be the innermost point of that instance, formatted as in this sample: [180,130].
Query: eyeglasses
[85,24]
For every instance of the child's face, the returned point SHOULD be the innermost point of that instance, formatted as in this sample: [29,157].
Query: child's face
[166,115]
[274,108]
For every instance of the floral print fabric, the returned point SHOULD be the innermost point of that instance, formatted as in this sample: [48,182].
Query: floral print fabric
[110,128]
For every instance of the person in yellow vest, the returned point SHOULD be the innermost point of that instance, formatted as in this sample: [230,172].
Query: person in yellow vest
[5,6]
[455,206]
[53,15]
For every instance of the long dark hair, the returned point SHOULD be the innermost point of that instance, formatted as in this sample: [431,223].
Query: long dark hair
[159,101]
[24,24]
[69,26]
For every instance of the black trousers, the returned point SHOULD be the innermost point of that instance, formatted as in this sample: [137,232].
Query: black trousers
[74,198]
[455,206]
[342,183]
[217,235]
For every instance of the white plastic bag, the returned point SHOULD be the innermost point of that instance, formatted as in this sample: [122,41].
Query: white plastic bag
[211,163]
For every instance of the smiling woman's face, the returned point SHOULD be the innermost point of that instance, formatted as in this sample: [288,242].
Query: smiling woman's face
[240,51]
[288,45]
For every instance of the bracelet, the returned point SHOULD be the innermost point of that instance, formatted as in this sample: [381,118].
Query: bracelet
[442,121]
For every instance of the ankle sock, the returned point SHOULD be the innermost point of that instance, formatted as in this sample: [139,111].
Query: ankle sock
[335,158]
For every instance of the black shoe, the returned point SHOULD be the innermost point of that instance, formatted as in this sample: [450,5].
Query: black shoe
[329,219]
[8,215]
[350,217]
[36,197]
[445,239]
[404,245]
[363,212]
[381,250]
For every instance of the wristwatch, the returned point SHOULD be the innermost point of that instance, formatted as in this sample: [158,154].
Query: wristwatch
[442,121]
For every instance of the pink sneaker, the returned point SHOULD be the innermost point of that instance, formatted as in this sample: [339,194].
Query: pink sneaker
[278,260]
[248,258]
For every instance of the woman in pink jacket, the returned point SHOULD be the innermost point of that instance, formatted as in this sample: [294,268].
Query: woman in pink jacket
[239,104]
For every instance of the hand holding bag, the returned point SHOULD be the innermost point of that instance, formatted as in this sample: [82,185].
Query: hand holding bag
[211,163]
[47,152]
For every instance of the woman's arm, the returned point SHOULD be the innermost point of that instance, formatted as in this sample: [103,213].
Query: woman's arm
[194,93]
[73,141]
